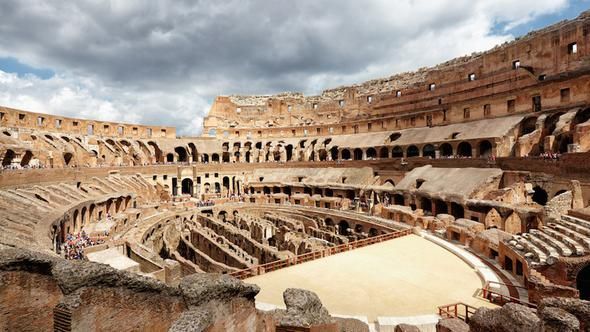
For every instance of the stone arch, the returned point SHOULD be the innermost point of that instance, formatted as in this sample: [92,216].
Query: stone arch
[205,158]
[428,151]
[181,153]
[75,218]
[371,153]
[397,152]
[323,155]
[343,227]
[194,153]
[412,151]
[384,152]
[493,219]
[485,149]
[345,154]
[26,158]
[464,149]
[334,153]
[358,154]
[170,157]
[157,152]
[373,232]
[289,152]
[215,158]
[583,282]
[358,228]
[540,195]
[446,150]
[226,183]
[83,216]
[513,224]
[8,156]
[187,186]
[68,158]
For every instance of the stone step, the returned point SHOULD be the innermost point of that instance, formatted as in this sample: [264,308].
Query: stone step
[542,244]
[583,239]
[576,220]
[538,254]
[577,248]
[564,250]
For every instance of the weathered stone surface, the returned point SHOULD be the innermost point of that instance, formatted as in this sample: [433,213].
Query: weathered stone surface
[558,320]
[304,309]
[200,288]
[194,320]
[406,328]
[510,318]
[579,308]
[351,325]
[452,325]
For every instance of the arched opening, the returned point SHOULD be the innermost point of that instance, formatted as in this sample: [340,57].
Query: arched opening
[446,150]
[205,158]
[412,151]
[540,195]
[457,210]
[464,149]
[289,152]
[358,228]
[157,152]
[428,151]
[343,227]
[68,158]
[182,155]
[528,125]
[226,183]
[334,153]
[266,190]
[217,188]
[187,187]
[441,207]
[383,153]
[329,222]
[358,154]
[194,153]
[345,154]
[215,158]
[225,157]
[397,152]
[323,155]
[581,117]
[170,157]
[559,192]
[373,232]
[426,205]
[398,199]
[8,156]
[485,149]
[248,157]
[583,283]
[563,141]
[26,159]
[371,153]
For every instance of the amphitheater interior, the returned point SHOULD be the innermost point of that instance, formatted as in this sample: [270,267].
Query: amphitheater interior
[451,198]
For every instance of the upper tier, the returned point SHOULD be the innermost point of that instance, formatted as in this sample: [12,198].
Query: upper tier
[515,71]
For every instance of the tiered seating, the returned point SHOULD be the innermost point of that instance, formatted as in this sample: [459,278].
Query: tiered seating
[569,236]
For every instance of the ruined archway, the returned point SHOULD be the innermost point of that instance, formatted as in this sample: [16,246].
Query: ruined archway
[540,195]
[8,156]
[583,283]
[182,155]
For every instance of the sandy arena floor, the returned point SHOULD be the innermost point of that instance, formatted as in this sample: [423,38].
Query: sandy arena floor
[402,277]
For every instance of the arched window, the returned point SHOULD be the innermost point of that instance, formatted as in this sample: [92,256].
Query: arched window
[428,151]
[464,149]
[412,151]
[485,149]
[397,152]
[446,150]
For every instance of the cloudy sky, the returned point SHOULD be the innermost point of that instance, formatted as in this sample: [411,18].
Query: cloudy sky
[163,62]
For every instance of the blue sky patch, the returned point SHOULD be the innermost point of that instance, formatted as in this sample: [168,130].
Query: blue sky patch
[12,65]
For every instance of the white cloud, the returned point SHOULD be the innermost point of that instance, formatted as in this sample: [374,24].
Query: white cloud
[160,62]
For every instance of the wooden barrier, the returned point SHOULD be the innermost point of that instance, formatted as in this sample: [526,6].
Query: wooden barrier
[310,256]
[457,310]
[501,299]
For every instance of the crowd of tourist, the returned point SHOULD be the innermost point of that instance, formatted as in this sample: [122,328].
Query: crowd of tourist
[73,248]
[204,203]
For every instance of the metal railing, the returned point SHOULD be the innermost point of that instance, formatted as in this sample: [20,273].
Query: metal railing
[310,256]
